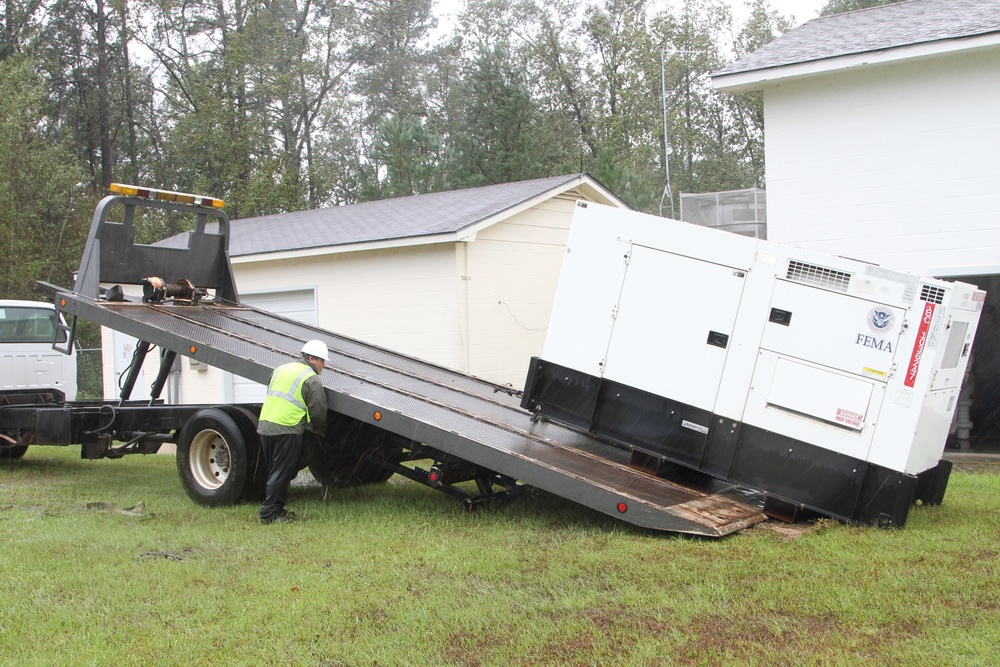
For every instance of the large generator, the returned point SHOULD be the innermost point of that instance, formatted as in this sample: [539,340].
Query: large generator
[824,382]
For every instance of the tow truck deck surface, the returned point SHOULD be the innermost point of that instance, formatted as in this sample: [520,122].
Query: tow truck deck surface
[460,415]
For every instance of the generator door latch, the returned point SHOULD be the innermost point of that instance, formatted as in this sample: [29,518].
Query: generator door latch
[718,339]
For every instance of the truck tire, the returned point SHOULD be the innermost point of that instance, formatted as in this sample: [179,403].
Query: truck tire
[256,483]
[336,460]
[12,452]
[213,459]
[344,473]
[13,445]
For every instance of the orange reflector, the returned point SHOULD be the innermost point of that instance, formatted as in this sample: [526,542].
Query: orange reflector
[623,507]
[378,416]
[193,349]
[62,302]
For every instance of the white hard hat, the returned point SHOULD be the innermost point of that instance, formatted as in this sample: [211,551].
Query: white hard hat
[316,348]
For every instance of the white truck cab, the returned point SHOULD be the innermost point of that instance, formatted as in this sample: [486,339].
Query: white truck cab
[28,363]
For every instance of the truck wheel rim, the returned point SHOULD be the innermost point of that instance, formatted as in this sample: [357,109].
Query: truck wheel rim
[210,459]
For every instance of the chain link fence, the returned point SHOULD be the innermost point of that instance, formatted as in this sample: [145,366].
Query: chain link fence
[89,374]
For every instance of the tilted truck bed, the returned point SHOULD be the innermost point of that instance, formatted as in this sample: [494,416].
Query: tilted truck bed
[457,414]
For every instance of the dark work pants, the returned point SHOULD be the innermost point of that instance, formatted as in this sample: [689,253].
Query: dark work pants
[282,454]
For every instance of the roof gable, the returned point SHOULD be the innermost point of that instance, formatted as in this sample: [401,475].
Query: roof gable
[393,221]
[866,31]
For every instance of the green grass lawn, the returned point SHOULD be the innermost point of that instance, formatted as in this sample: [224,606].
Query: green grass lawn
[398,574]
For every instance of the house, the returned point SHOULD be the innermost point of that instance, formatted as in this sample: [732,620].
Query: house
[882,136]
[464,279]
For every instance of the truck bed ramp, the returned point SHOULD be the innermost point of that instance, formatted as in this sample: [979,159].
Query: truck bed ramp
[458,414]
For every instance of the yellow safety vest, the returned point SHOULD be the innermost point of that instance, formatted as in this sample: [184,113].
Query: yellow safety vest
[284,404]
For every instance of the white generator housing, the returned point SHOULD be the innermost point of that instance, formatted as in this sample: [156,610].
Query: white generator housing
[825,382]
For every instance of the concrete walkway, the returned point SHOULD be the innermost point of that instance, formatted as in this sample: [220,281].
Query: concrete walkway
[982,455]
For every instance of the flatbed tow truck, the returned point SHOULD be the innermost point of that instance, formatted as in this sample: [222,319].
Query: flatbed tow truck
[692,380]
[389,413]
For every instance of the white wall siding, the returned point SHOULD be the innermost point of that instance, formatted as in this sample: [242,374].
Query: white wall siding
[402,298]
[200,383]
[513,270]
[296,303]
[480,306]
[897,164]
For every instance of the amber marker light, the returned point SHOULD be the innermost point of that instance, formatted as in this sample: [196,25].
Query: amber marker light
[62,303]
[127,190]
[378,416]
[192,349]
[165,195]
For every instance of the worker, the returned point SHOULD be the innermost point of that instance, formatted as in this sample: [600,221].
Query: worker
[295,400]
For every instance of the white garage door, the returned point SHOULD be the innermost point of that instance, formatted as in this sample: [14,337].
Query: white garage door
[299,304]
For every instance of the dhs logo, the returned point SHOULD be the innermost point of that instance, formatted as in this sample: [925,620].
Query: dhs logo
[880,321]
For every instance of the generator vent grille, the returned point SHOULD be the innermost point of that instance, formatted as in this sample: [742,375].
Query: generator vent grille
[931,294]
[818,275]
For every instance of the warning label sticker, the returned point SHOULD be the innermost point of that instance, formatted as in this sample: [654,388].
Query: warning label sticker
[849,418]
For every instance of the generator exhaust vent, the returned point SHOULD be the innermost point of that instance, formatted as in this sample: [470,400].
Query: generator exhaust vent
[931,294]
[820,276]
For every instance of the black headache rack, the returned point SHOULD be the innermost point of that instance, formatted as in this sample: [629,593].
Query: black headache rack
[472,429]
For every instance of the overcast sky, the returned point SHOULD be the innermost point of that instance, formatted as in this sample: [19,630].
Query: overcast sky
[803,10]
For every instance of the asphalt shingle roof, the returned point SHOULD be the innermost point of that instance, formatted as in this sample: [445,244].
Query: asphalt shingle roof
[404,217]
[875,29]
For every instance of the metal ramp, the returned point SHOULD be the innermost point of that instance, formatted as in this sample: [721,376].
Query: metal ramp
[461,415]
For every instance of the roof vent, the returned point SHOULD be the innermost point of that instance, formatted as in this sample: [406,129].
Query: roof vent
[811,274]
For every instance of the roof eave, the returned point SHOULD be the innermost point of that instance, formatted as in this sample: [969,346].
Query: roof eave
[319,251]
[465,235]
[758,79]
[597,191]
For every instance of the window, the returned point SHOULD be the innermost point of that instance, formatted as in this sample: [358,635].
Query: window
[27,325]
